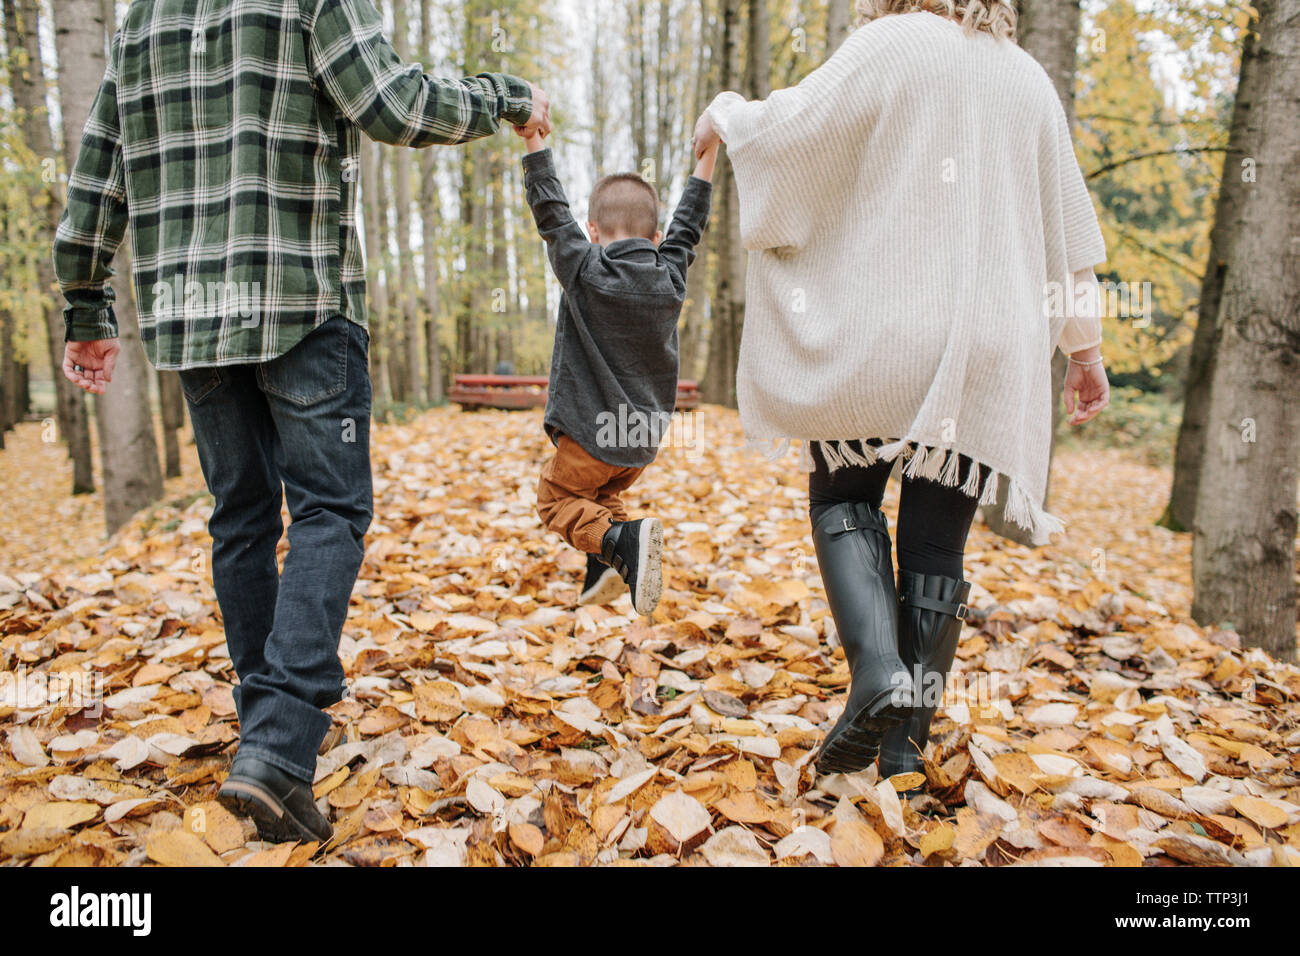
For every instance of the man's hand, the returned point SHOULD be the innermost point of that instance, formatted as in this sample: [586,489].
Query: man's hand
[706,136]
[1087,391]
[540,121]
[90,364]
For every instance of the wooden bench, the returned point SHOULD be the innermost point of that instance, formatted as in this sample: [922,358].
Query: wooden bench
[511,392]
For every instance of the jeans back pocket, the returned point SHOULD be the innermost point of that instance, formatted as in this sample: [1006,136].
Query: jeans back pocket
[199,383]
[313,370]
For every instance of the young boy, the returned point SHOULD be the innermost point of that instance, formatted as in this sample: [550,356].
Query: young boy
[614,362]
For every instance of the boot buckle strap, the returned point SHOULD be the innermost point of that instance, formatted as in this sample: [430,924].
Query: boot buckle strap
[960,611]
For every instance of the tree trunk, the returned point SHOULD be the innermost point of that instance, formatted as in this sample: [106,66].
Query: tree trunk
[837,23]
[171,403]
[377,293]
[502,304]
[429,240]
[728,309]
[22,392]
[639,125]
[23,404]
[128,450]
[8,378]
[407,314]
[664,148]
[694,321]
[1049,31]
[1244,537]
[1189,453]
[29,91]
[599,107]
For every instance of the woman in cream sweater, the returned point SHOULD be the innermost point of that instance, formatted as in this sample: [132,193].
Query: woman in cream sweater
[920,240]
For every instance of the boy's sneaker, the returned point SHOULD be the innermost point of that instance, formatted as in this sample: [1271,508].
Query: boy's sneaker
[635,550]
[603,584]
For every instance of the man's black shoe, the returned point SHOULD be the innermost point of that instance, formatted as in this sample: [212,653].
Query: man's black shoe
[603,584]
[282,806]
[635,550]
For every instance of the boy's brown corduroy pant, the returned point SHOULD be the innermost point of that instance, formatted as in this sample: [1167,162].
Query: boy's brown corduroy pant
[578,495]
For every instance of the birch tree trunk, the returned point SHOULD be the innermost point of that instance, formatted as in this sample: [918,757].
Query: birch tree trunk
[1244,537]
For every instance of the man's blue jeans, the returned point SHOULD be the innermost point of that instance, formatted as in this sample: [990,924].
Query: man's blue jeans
[301,420]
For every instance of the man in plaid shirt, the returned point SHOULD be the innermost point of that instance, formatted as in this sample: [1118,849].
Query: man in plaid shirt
[228,132]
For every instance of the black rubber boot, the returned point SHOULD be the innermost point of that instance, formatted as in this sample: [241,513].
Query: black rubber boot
[852,544]
[931,608]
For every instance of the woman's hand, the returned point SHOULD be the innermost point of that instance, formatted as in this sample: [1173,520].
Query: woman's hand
[1087,390]
[706,137]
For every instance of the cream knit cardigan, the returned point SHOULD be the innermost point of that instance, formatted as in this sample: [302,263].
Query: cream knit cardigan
[905,208]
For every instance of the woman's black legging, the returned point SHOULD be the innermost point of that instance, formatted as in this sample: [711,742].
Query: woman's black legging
[933,519]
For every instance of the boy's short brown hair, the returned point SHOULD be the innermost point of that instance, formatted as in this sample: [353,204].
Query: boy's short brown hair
[625,204]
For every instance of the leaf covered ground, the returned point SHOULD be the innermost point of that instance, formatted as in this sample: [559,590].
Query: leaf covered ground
[492,722]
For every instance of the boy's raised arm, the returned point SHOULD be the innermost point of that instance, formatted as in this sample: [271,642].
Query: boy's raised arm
[567,245]
[691,215]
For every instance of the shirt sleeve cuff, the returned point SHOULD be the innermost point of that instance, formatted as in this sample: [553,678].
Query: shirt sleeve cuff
[1079,334]
[516,98]
[540,163]
[89,325]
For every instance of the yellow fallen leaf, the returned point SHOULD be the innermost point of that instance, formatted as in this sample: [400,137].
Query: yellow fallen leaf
[938,840]
[855,843]
[330,783]
[180,848]
[60,814]
[1260,812]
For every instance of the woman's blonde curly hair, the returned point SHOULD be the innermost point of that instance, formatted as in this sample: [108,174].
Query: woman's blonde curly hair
[997,17]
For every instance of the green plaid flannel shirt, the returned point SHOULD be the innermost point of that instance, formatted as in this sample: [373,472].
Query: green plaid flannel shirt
[229,133]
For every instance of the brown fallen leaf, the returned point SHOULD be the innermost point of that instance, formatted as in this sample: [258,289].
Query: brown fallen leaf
[1199,851]
[31,841]
[527,837]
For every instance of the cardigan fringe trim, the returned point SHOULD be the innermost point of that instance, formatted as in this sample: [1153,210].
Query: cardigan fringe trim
[936,462]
